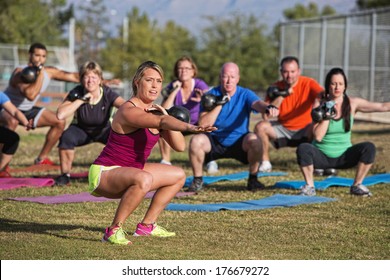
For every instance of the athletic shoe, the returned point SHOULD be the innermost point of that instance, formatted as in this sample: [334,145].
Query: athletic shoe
[196,185]
[163,161]
[62,180]
[265,166]
[318,172]
[152,230]
[212,167]
[360,190]
[46,161]
[308,190]
[325,172]
[116,236]
[254,185]
[5,174]
[330,172]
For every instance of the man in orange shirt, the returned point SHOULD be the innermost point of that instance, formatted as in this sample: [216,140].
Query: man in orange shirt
[292,99]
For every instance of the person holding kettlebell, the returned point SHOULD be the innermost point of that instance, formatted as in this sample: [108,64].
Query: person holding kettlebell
[24,90]
[229,111]
[9,140]
[332,146]
[122,170]
[186,91]
[291,99]
[91,104]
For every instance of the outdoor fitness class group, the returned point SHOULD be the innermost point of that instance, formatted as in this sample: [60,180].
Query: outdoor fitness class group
[297,112]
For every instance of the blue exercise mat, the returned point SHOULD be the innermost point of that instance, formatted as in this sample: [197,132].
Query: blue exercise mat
[335,181]
[277,200]
[207,180]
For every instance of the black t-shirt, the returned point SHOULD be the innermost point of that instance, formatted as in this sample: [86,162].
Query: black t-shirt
[94,118]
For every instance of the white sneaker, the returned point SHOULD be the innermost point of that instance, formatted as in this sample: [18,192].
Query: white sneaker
[212,167]
[265,166]
[308,190]
[165,162]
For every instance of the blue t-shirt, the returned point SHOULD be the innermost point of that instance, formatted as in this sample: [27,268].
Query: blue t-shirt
[233,120]
[3,98]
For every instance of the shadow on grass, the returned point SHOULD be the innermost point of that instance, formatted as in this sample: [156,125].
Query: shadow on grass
[12,226]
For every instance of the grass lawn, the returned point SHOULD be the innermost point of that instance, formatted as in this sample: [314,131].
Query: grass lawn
[350,228]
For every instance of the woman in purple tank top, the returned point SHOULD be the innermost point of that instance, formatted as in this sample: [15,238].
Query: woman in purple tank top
[122,171]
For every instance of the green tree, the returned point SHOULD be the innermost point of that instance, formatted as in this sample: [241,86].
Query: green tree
[27,21]
[124,54]
[370,4]
[91,31]
[146,41]
[299,11]
[176,41]
[239,39]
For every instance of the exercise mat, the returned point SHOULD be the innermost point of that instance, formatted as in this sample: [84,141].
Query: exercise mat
[277,200]
[80,197]
[335,181]
[14,183]
[207,180]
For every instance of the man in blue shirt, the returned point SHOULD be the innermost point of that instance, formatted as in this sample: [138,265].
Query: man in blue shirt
[232,139]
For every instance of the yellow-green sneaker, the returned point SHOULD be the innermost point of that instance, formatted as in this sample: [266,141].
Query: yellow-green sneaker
[152,230]
[116,235]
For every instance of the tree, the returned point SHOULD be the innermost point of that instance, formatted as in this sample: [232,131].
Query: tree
[28,21]
[91,32]
[239,39]
[370,4]
[146,41]
[122,55]
[299,11]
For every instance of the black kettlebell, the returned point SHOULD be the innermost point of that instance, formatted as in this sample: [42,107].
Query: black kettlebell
[75,94]
[208,101]
[318,114]
[30,74]
[181,113]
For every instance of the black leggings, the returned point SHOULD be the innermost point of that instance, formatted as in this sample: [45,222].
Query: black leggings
[364,152]
[10,139]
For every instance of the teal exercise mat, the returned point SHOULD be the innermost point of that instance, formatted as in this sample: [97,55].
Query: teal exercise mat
[207,180]
[277,200]
[335,181]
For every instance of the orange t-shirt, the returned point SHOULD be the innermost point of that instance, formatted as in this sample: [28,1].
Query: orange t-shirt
[295,110]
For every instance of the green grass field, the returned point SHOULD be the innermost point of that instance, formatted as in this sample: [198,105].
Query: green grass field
[351,228]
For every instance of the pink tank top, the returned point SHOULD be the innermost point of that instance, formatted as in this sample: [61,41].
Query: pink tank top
[128,150]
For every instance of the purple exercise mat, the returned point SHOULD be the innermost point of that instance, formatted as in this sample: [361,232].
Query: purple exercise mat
[80,197]
[14,183]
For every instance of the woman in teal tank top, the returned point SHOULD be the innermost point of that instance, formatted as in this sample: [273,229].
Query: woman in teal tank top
[333,117]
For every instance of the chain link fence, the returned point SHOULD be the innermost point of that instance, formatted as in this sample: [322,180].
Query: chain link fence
[358,42]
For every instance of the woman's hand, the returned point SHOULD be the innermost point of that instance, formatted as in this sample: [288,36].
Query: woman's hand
[157,109]
[200,129]
[198,94]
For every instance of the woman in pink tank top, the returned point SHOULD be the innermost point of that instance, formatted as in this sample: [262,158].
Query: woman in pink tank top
[122,171]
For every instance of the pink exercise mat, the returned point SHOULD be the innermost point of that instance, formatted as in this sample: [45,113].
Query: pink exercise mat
[14,183]
[80,197]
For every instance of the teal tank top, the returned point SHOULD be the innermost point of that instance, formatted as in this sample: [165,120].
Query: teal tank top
[336,141]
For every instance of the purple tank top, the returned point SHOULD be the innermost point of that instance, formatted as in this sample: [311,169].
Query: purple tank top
[128,150]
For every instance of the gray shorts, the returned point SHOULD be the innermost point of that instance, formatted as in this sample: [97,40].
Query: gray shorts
[290,138]
[34,113]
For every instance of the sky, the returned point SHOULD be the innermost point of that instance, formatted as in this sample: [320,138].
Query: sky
[190,13]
